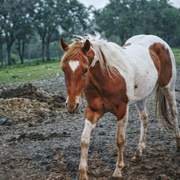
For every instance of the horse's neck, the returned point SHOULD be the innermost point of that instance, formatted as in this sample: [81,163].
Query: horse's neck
[101,79]
[96,76]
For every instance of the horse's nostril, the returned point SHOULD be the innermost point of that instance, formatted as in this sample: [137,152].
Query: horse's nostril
[77,105]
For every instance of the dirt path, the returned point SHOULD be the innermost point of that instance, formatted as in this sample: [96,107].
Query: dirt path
[48,147]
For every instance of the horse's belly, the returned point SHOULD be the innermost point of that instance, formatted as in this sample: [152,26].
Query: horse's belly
[144,81]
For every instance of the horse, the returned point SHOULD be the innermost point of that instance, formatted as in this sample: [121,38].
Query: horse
[112,77]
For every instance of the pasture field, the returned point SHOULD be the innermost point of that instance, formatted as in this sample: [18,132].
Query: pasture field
[21,73]
[176,52]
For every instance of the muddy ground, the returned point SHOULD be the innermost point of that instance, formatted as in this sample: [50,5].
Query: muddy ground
[38,144]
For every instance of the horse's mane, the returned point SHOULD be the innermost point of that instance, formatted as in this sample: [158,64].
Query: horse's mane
[108,54]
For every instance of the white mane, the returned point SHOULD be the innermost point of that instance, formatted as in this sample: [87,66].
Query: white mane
[112,52]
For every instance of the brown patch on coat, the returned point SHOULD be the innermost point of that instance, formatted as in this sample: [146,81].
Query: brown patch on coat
[125,45]
[90,55]
[135,87]
[92,115]
[162,61]
[105,93]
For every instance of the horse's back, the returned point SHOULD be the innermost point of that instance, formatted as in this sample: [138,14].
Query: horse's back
[160,53]
[153,61]
[146,40]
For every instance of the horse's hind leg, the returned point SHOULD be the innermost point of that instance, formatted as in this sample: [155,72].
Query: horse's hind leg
[170,95]
[141,106]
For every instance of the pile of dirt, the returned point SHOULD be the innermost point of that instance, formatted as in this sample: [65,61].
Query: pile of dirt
[26,103]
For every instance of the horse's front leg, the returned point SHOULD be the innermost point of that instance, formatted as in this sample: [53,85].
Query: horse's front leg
[90,124]
[120,138]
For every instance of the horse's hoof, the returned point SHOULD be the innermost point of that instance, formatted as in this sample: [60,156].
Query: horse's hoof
[136,159]
[117,174]
[117,178]
[178,143]
[178,148]
[83,177]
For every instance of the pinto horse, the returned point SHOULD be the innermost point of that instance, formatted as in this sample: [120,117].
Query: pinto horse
[112,78]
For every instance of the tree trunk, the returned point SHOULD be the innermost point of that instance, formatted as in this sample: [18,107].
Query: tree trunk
[29,56]
[9,55]
[47,51]
[9,42]
[43,50]
[1,54]
[21,50]
[6,62]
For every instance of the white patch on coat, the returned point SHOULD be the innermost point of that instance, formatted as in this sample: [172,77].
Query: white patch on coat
[88,128]
[73,65]
[142,69]
[95,58]
[85,139]
[144,121]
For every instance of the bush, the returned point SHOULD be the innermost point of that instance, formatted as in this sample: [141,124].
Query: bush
[14,58]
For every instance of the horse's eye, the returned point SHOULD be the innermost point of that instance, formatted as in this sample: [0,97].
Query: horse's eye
[85,71]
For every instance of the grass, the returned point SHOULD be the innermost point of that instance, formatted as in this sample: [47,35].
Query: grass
[176,52]
[21,73]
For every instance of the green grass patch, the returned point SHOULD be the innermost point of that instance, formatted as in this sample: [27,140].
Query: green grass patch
[21,73]
[176,52]
[25,73]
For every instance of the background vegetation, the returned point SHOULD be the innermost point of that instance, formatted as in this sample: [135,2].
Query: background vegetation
[30,30]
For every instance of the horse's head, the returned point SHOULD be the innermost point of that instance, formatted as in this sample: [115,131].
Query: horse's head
[75,64]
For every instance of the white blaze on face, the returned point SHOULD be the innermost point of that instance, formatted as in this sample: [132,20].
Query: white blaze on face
[73,65]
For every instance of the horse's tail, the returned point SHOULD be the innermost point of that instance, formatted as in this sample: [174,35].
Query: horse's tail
[161,106]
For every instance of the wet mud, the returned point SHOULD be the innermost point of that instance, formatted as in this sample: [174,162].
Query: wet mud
[42,141]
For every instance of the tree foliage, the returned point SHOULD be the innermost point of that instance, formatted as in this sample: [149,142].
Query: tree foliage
[121,19]
[33,26]
[22,19]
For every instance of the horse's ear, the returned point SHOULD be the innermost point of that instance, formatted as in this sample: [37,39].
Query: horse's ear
[64,45]
[86,46]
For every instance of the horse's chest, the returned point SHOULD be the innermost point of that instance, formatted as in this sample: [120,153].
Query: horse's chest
[106,100]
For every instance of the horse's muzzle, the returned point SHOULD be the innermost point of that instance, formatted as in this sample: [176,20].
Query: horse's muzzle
[73,104]
[73,109]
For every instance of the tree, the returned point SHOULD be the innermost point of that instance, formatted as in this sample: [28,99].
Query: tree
[1,41]
[121,19]
[23,27]
[117,19]
[50,16]
[80,20]
[39,15]
[45,21]
[7,11]
[57,10]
